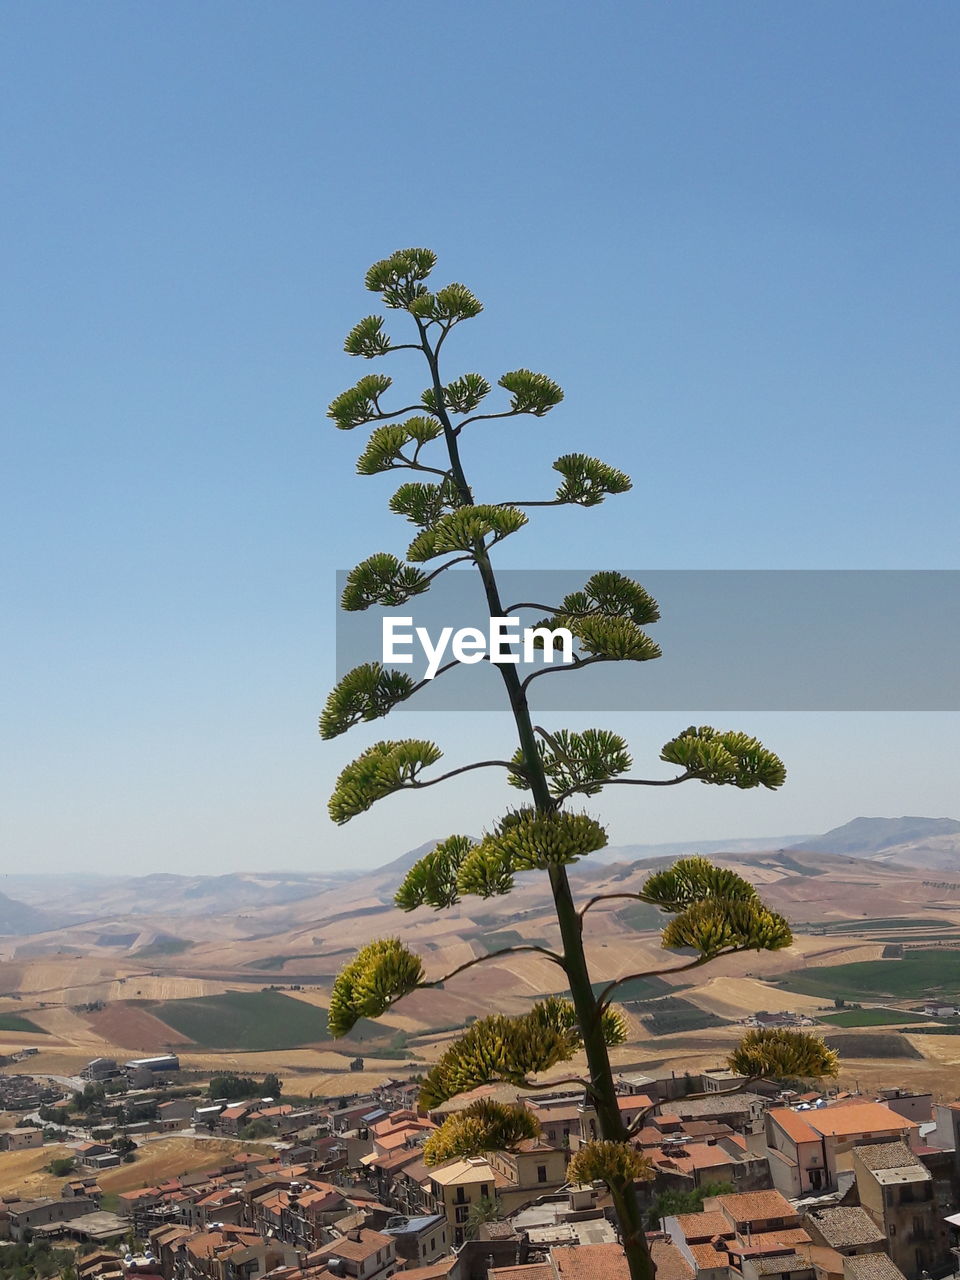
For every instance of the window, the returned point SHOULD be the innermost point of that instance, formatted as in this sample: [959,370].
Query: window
[541,1173]
[483,1191]
[461,1196]
[462,1211]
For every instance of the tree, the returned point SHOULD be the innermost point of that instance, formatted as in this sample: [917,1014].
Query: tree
[671,1202]
[713,912]
[257,1129]
[272,1085]
[233,1086]
[61,1167]
[484,1210]
[93,1094]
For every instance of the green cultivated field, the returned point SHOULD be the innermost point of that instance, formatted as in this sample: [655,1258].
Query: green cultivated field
[638,989]
[872,1018]
[245,1020]
[164,947]
[918,974]
[506,938]
[671,1015]
[887,922]
[865,1044]
[642,917]
[17,1022]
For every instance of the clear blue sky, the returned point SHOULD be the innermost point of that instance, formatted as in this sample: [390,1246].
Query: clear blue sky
[729,230]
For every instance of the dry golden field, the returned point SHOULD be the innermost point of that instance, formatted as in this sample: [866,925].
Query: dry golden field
[24,1173]
[305,942]
[166,1158]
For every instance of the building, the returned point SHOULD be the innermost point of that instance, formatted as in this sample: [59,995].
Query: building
[683,1164]
[99,1226]
[913,1106]
[597,1262]
[747,1234]
[29,1215]
[847,1229]
[363,1253]
[454,1188]
[807,1149]
[739,1110]
[419,1241]
[164,1062]
[21,1139]
[533,1169]
[566,1120]
[100,1069]
[896,1190]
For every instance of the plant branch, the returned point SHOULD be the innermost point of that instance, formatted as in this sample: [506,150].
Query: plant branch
[504,951]
[413,785]
[457,560]
[552,1084]
[552,609]
[531,502]
[603,999]
[629,782]
[446,329]
[485,417]
[411,464]
[447,666]
[605,897]
[383,417]
[577,665]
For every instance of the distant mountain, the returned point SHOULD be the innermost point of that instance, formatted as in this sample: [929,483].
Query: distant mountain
[679,848]
[101,897]
[868,837]
[17,918]
[42,904]
[400,866]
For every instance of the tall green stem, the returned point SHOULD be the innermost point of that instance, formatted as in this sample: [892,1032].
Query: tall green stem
[571,926]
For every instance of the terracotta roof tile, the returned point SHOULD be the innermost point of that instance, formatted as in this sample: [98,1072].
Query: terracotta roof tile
[871,1266]
[755,1206]
[704,1226]
[780,1265]
[356,1250]
[529,1271]
[695,1155]
[842,1225]
[707,1255]
[784,1235]
[887,1155]
[669,1261]
[593,1262]
[840,1121]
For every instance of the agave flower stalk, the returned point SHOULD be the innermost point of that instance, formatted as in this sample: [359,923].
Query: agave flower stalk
[709,911]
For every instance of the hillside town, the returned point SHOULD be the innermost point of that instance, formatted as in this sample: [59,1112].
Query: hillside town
[746,1183]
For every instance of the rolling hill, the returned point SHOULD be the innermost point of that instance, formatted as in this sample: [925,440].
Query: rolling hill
[864,837]
[18,919]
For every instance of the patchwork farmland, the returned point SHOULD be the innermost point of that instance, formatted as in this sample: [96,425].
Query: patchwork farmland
[250,991]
